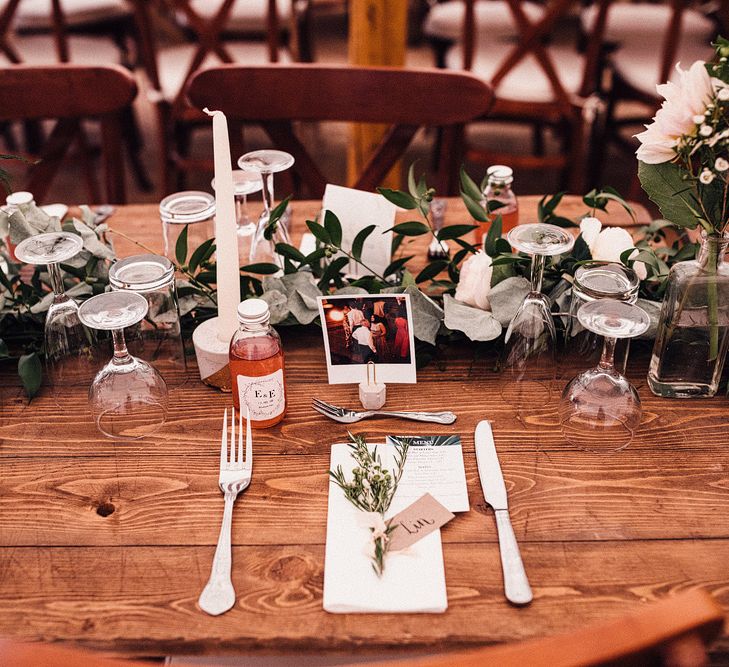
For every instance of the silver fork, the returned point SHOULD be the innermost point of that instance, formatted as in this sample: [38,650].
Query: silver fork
[235,475]
[350,416]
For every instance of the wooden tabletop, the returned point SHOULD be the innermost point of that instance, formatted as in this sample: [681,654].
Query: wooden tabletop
[109,544]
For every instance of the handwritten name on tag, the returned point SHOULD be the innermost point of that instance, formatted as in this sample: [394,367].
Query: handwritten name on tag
[416,521]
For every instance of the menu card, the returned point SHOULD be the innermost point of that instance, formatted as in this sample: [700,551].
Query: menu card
[414,578]
[434,464]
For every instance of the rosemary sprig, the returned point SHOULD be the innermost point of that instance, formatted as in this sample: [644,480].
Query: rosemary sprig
[372,489]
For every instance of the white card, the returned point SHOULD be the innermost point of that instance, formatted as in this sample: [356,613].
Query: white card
[356,210]
[434,465]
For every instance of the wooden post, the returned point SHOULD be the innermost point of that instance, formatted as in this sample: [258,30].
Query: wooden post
[377,36]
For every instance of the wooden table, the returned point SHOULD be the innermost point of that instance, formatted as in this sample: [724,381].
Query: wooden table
[109,544]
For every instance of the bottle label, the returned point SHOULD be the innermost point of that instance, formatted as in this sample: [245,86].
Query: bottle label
[263,395]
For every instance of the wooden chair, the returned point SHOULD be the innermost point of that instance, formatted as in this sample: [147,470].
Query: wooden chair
[645,41]
[404,99]
[209,23]
[673,632]
[70,94]
[540,79]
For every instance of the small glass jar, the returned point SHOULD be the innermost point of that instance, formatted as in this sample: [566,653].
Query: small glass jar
[257,366]
[498,188]
[194,208]
[593,281]
[158,337]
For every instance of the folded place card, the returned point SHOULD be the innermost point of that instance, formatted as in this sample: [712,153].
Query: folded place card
[356,210]
[414,578]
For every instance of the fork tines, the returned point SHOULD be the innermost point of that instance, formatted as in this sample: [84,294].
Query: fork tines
[234,462]
[326,407]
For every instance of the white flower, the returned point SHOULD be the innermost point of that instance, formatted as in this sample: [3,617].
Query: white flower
[723,94]
[698,119]
[705,130]
[475,281]
[684,99]
[706,176]
[606,245]
[721,164]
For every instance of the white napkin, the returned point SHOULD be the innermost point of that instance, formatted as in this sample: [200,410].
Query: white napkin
[413,580]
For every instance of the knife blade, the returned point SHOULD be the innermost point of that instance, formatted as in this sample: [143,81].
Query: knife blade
[516,584]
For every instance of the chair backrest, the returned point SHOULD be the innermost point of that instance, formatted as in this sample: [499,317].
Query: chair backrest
[69,94]
[672,632]
[530,40]
[403,99]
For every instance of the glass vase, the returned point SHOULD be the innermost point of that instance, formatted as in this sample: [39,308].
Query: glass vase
[691,340]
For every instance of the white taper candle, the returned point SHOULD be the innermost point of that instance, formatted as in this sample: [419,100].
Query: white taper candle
[226,229]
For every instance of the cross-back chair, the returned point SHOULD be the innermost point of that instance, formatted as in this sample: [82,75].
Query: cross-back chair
[170,69]
[403,99]
[540,79]
[645,41]
[70,94]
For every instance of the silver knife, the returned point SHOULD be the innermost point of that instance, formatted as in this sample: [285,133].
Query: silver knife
[516,584]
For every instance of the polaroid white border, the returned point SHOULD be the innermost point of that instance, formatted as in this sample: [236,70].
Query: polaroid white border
[356,373]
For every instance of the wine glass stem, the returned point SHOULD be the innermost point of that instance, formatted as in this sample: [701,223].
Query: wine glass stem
[267,178]
[537,272]
[121,354]
[607,360]
[54,271]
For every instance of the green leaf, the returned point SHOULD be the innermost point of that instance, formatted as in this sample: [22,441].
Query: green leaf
[666,188]
[197,256]
[4,281]
[289,252]
[410,228]
[317,230]
[431,270]
[397,240]
[4,352]
[399,198]
[395,266]
[263,268]
[412,185]
[489,243]
[359,240]
[334,269]
[469,187]
[580,250]
[474,208]
[274,218]
[31,373]
[333,227]
[454,231]
[314,256]
[181,247]
[502,247]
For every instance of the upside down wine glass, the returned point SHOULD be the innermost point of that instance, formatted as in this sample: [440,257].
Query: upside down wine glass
[267,162]
[70,348]
[244,183]
[528,357]
[600,410]
[128,397]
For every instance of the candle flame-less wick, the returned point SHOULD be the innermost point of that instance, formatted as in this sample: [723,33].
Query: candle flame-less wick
[210,113]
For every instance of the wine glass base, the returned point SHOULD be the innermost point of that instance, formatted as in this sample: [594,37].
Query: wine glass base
[605,435]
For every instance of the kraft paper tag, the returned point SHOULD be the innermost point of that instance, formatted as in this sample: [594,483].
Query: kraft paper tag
[416,521]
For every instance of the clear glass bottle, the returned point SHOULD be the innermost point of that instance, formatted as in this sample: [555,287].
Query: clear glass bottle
[498,188]
[257,366]
[691,342]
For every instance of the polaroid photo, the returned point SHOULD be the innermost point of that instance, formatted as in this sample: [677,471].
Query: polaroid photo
[358,329]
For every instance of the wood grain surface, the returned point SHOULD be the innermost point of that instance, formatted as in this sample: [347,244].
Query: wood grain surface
[108,544]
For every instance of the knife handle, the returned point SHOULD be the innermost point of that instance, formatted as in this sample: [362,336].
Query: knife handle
[516,584]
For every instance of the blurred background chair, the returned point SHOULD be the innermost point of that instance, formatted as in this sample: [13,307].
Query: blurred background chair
[645,40]
[215,32]
[530,55]
[62,92]
[400,98]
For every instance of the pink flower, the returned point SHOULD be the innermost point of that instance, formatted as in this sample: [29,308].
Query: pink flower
[475,281]
[684,100]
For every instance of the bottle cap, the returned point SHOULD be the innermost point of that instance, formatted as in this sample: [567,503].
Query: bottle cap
[253,311]
[500,173]
[19,198]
